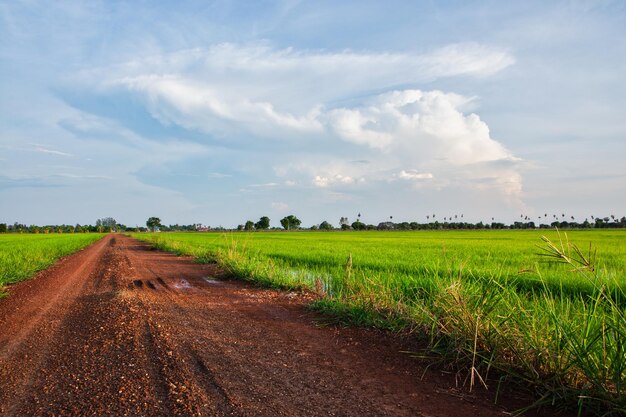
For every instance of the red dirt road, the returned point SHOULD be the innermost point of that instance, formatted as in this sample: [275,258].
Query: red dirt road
[121,329]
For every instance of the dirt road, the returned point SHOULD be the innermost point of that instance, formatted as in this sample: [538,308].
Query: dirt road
[120,329]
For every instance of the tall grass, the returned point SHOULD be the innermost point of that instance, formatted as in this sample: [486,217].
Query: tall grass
[556,326]
[22,255]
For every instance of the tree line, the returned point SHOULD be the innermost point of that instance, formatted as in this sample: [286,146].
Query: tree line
[291,222]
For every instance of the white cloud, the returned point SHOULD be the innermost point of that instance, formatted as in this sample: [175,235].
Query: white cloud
[278,92]
[262,93]
[359,127]
[413,174]
[194,105]
[421,125]
[467,58]
[325,181]
[427,129]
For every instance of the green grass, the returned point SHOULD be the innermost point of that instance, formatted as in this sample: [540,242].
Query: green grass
[485,301]
[22,255]
[408,261]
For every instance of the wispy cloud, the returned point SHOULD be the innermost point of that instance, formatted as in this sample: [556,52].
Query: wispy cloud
[218,175]
[41,149]
[36,148]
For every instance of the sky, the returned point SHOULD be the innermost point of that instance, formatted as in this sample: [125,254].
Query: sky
[218,112]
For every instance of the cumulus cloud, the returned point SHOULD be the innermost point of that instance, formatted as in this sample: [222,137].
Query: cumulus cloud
[424,125]
[426,129]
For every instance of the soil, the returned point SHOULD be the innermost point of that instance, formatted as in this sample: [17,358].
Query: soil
[120,329]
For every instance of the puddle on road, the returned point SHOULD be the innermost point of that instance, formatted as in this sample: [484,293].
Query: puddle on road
[182,284]
[212,281]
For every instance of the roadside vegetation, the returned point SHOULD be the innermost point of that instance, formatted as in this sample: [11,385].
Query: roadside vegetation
[22,255]
[540,308]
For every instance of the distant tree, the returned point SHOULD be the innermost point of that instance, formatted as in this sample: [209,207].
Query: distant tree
[325,226]
[109,222]
[344,222]
[3,227]
[153,223]
[290,222]
[385,226]
[106,224]
[240,227]
[357,225]
[249,225]
[263,223]
[403,226]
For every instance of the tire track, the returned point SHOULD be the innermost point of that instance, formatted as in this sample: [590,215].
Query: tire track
[156,371]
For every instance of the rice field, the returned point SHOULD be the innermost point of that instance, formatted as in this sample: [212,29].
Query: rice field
[499,305]
[22,255]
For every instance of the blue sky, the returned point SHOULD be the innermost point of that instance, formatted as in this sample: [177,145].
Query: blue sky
[224,111]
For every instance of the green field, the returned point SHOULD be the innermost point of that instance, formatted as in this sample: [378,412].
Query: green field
[22,255]
[485,300]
